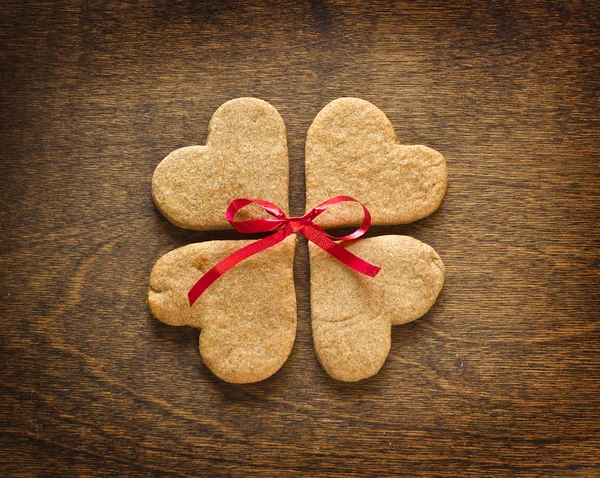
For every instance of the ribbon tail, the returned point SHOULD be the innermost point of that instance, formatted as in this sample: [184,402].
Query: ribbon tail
[340,253]
[235,258]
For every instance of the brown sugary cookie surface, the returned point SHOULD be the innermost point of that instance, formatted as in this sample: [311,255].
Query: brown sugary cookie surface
[352,314]
[245,156]
[352,150]
[247,317]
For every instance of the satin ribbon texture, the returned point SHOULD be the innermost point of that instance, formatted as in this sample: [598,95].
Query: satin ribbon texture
[283,227]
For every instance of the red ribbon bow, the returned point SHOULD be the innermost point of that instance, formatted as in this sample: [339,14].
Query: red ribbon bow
[304,225]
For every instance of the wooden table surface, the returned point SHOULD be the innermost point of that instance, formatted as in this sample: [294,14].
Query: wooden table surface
[500,378]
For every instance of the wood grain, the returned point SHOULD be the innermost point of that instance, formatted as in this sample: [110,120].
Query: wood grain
[500,378]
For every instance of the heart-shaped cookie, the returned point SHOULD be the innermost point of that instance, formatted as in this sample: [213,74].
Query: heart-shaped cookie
[245,156]
[247,321]
[352,314]
[351,149]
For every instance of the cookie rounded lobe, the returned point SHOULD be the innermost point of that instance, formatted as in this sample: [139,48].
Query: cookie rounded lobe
[354,350]
[172,185]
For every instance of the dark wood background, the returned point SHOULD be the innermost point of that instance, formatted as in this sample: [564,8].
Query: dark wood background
[500,378]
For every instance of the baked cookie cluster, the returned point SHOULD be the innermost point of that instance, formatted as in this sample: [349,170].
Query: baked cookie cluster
[248,317]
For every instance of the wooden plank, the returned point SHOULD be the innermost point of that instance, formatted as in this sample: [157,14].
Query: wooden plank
[500,378]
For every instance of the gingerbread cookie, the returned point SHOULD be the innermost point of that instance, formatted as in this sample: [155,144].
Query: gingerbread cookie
[247,321]
[352,314]
[245,156]
[351,149]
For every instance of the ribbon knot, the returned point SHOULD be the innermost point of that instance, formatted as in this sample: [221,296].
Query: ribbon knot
[282,227]
[296,223]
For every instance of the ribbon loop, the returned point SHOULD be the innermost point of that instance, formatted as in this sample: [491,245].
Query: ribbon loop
[282,226]
[255,225]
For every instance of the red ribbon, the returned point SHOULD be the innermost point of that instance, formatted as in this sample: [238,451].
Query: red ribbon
[284,227]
